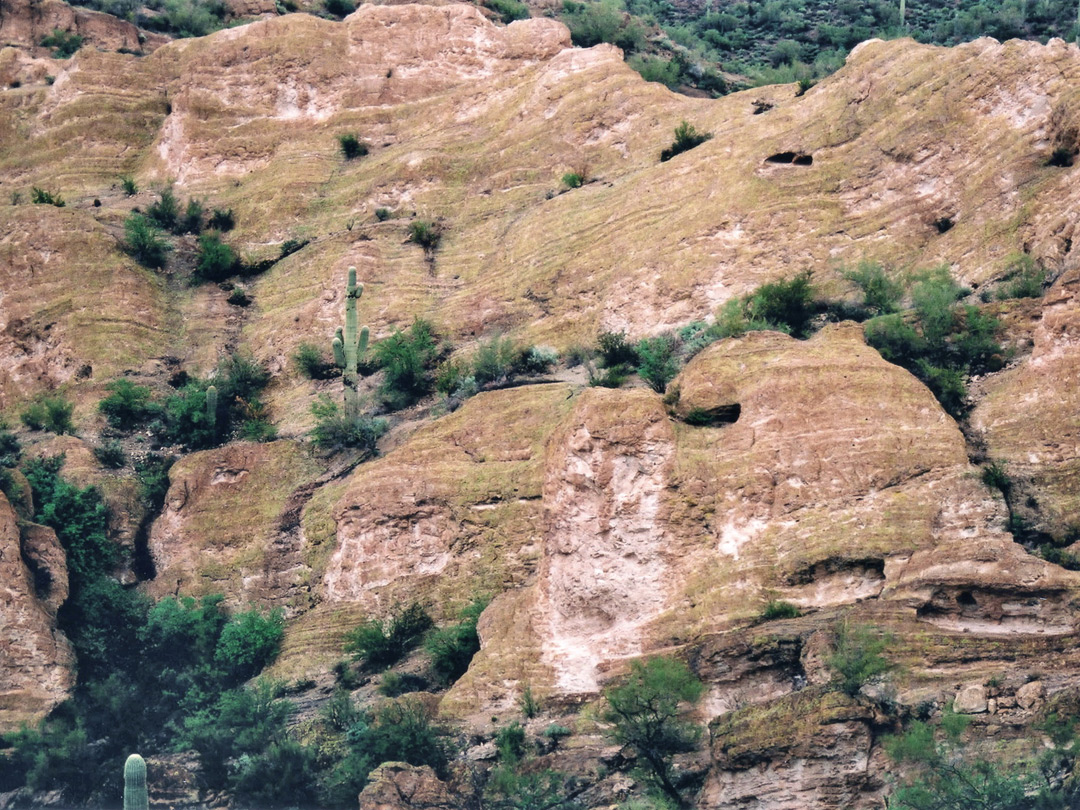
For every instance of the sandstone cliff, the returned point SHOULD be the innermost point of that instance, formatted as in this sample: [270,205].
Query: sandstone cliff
[605,525]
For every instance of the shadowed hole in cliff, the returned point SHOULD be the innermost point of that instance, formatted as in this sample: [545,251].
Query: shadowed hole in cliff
[713,417]
[997,612]
[872,567]
[43,578]
[793,158]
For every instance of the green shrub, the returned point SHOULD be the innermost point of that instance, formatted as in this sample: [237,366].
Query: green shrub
[238,298]
[510,742]
[425,233]
[128,184]
[192,221]
[165,213]
[657,363]
[145,242]
[451,375]
[184,419]
[51,413]
[646,713]
[529,705]
[400,731]
[380,643]
[40,196]
[787,303]
[241,377]
[778,609]
[615,350]
[494,361]
[111,454]
[77,515]
[686,138]
[556,732]
[572,180]
[351,146]
[509,10]
[857,656]
[312,363]
[593,23]
[283,775]
[663,71]
[394,684]
[127,405]
[222,220]
[334,431]
[10,448]
[63,43]
[249,642]
[383,214]
[406,359]
[995,476]
[895,339]
[881,294]
[215,260]
[1024,278]
[452,648]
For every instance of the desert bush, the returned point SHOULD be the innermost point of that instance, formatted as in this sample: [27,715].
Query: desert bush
[40,196]
[312,363]
[509,10]
[128,184]
[400,731]
[615,350]
[881,294]
[291,246]
[788,303]
[351,146]
[452,648]
[63,43]
[335,431]
[127,404]
[494,361]
[380,643]
[111,454]
[215,260]
[667,72]
[451,375]
[51,413]
[995,476]
[394,684]
[778,609]
[145,242]
[165,213]
[222,220]
[406,359]
[1025,279]
[857,656]
[248,643]
[383,214]
[192,221]
[238,298]
[185,420]
[657,363]
[572,180]
[686,138]
[425,233]
[593,23]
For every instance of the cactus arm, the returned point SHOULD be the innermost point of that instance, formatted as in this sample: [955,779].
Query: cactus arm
[211,405]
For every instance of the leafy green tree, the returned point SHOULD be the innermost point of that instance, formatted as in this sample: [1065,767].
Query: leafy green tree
[215,261]
[881,294]
[647,712]
[127,404]
[452,648]
[406,359]
[788,303]
[657,363]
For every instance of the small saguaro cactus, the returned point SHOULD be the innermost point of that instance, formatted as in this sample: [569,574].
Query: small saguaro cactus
[350,346]
[211,405]
[135,795]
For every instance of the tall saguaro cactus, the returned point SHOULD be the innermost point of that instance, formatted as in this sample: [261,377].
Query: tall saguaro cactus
[350,346]
[135,794]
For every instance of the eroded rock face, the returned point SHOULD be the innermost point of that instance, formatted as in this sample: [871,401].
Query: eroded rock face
[605,573]
[27,22]
[398,786]
[1029,416]
[36,661]
[225,528]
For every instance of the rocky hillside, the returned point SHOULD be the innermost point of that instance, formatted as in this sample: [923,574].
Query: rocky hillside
[785,496]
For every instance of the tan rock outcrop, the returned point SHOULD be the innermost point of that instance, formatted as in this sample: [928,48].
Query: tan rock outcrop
[36,672]
[27,22]
[399,786]
[225,527]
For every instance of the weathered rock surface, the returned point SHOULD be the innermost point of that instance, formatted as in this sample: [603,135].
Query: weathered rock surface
[398,786]
[226,527]
[27,22]
[37,659]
